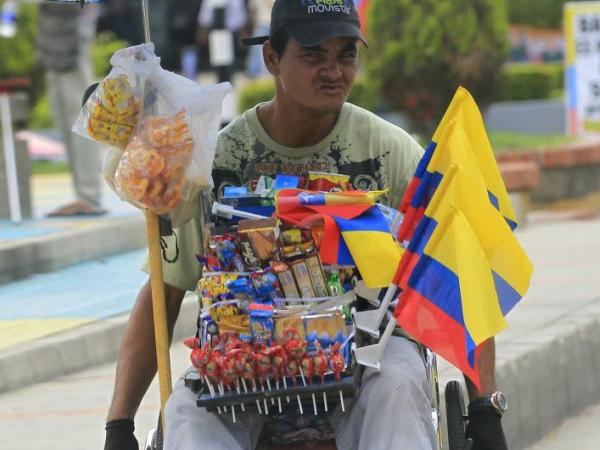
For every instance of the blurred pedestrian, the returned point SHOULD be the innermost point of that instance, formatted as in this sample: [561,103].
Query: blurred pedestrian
[260,16]
[220,23]
[65,33]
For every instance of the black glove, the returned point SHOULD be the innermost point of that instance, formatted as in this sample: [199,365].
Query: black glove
[119,435]
[485,428]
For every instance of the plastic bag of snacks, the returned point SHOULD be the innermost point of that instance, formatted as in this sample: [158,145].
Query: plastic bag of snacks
[167,156]
[111,114]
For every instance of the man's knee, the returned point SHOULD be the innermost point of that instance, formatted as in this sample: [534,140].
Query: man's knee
[403,376]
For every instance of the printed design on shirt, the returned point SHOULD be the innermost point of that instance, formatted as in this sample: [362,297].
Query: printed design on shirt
[243,159]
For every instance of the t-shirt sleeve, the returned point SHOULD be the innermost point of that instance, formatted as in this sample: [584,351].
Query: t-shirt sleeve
[181,248]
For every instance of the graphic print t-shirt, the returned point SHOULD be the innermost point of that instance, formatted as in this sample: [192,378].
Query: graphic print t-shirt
[374,153]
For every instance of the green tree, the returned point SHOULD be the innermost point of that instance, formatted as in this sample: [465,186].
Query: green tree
[537,13]
[17,54]
[420,52]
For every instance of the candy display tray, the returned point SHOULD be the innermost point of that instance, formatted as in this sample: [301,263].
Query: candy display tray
[349,386]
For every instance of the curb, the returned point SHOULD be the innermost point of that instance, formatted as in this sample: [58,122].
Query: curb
[50,253]
[548,375]
[75,350]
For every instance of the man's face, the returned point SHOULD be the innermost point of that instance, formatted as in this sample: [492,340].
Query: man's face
[320,77]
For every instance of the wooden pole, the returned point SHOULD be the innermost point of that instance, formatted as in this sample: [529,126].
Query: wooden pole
[159,305]
[159,310]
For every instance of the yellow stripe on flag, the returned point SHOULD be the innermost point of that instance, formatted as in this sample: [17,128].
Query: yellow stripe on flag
[454,244]
[464,112]
[375,254]
[505,255]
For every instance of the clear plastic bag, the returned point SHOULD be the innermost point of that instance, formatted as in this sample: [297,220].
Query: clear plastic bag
[111,114]
[167,158]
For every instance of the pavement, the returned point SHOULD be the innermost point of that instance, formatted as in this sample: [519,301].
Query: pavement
[67,286]
[580,432]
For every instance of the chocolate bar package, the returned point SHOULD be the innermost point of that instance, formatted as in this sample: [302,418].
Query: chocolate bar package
[302,277]
[262,234]
[286,279]
[313,264]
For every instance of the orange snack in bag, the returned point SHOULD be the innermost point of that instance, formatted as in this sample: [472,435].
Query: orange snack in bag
[152,169]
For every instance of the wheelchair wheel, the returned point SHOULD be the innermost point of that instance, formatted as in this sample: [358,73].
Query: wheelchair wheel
[455,416]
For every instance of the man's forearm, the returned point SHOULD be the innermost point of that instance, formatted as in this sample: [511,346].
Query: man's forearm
[487,371]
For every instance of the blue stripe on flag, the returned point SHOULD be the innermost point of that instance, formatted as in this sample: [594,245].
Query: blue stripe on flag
[470,348]
[425,160]
[311,199]
[371,220]
[513,225]
[494,200]
[427,187]
[344,258]
[422,235]
[507,296]
[439,285]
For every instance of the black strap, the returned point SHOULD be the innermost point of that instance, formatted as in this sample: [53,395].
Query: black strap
[164,247]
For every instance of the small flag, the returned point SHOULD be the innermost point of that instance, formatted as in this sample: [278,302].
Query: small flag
[463,111]
[465,272]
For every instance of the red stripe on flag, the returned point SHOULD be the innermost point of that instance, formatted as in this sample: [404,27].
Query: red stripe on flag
[408,194]
[433,328]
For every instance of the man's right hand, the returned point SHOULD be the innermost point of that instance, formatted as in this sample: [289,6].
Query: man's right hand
[119,435]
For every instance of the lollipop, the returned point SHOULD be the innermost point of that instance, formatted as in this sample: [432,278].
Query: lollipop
[213,371]
[263,367]
[291,370]
[337,363]
[321,365]
[307,367]
[191,342]
[228,375]
[248,375]
[277,363]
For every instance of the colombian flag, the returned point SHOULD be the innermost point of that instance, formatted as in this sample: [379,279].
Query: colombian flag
[469,273]
[354,230]
[464,111]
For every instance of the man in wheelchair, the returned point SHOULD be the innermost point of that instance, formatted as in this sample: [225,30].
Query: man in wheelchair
[312,53]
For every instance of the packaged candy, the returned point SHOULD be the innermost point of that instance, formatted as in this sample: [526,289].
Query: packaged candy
[263,186]
[315,271]
[286,182]
[262,234]
[292,236]
[242,287]
[326,328]
[285,326]
[228,254]
[302,278]
[234,325]
[265,284]
[327,182]
[225,309]
[250,260]
[294,251]
[261,322]
[286,279]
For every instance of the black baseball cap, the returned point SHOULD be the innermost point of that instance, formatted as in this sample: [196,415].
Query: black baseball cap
[312,22]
